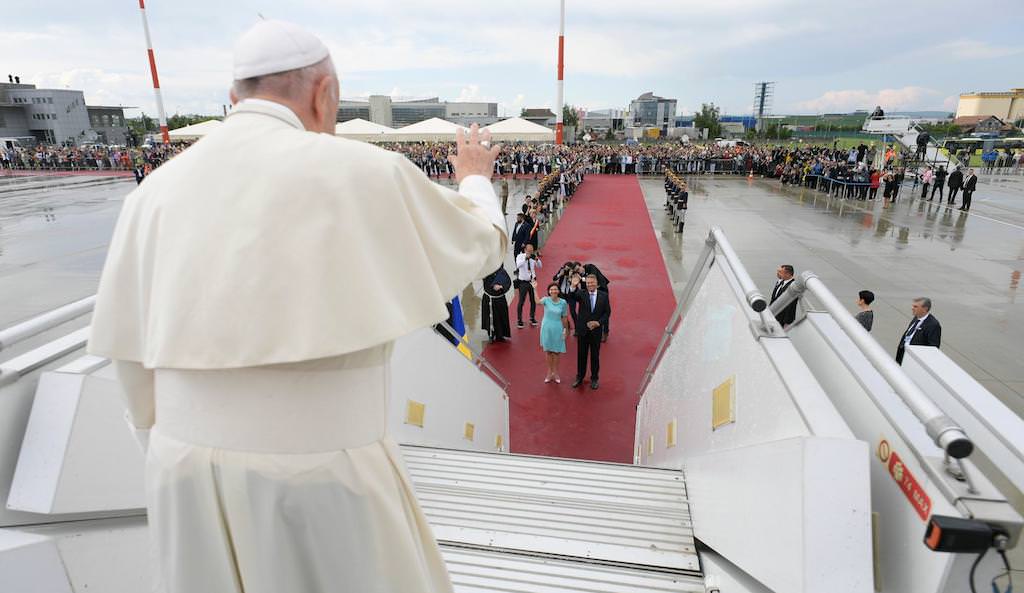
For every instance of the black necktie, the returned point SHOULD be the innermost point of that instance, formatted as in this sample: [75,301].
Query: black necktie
[912,328]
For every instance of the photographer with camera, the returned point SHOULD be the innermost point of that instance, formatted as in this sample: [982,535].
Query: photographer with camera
[527,264]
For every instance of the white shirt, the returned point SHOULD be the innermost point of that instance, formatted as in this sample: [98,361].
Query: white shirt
[910,332]
[526,269]
[593,300]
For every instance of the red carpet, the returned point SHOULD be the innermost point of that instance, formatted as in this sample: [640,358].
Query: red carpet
[606,224]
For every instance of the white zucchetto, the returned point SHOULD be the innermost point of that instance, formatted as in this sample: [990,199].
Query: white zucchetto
[272,46]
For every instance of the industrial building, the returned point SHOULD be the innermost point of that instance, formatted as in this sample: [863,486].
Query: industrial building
[383,110]
[1007,106]
[56,116]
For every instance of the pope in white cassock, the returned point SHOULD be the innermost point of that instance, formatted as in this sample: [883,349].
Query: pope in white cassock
[252,292]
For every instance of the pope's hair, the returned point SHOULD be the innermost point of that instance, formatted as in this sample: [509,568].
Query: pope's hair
[291,84]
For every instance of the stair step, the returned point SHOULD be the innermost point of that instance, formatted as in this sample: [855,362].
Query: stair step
[481,571]
[605,512]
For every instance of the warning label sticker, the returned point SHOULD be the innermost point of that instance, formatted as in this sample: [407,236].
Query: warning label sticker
[900,473]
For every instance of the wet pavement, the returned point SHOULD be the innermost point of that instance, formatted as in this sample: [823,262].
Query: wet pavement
[969,264]
[53,241]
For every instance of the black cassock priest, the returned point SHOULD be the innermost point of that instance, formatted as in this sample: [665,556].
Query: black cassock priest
[494,314]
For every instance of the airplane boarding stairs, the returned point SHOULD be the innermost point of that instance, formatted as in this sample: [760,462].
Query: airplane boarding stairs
[71,478]
[812,463]
[905,131]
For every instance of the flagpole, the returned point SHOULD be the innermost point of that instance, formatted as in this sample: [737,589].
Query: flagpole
[156,80]
[559,123]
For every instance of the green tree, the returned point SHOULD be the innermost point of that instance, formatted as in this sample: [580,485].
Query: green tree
[570,117]
[180,121]
[522,112]
[708,118]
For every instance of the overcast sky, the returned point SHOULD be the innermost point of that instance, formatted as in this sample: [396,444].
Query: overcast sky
[824,56]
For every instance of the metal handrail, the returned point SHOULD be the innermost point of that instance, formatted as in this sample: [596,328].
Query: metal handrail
[943,430]
[716,241]
[47,321]
[480,361]
[753,295]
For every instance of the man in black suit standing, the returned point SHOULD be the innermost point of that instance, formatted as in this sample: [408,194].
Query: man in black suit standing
[520,234]
[956,181]
[924,329]
[591,316]
[785,280]
[970,184]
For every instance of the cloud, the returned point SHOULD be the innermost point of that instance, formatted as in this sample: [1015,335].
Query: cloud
[970,49]
[908,97]
[695,52]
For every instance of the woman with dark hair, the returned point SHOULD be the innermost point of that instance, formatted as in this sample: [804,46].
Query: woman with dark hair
[553,330]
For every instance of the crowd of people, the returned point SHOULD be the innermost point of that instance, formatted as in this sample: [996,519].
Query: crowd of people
[98,158]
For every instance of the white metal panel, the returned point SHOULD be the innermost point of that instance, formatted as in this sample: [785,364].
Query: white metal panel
[30,563]
[714,343]
[103,555]
[15,407]
[485,571]
[996,431]
[793,514]
[78,455]
[611,512]
[905,564]
[427,369]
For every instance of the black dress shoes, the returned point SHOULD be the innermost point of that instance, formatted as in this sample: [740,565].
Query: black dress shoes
[577,382]
[593,384]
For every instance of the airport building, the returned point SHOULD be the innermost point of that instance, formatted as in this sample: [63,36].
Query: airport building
[383,110]
[57,116]
[1007,106]
[651,111]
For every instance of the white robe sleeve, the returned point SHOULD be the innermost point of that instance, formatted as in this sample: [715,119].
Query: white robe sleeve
[137,386]
[462,233]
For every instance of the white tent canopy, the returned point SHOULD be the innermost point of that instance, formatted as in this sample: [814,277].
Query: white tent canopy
[367,131]
[515,129]
[194,131]
[431,130]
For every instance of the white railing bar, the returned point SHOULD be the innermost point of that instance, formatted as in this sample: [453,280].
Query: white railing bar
[945,432]
[47,321]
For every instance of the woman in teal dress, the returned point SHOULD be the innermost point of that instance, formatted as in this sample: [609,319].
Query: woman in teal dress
[553,330]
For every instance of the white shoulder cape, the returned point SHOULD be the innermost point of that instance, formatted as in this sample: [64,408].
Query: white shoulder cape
[264,243]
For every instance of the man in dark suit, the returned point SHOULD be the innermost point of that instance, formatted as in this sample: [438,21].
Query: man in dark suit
[591,316]
[956,181]
[520,234]
[970,184]
[924,329]
[785,280]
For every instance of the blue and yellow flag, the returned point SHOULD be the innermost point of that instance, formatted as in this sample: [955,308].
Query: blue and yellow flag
[459,325]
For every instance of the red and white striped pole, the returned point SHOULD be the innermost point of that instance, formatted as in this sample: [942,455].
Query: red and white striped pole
[559,123]
[156,80]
